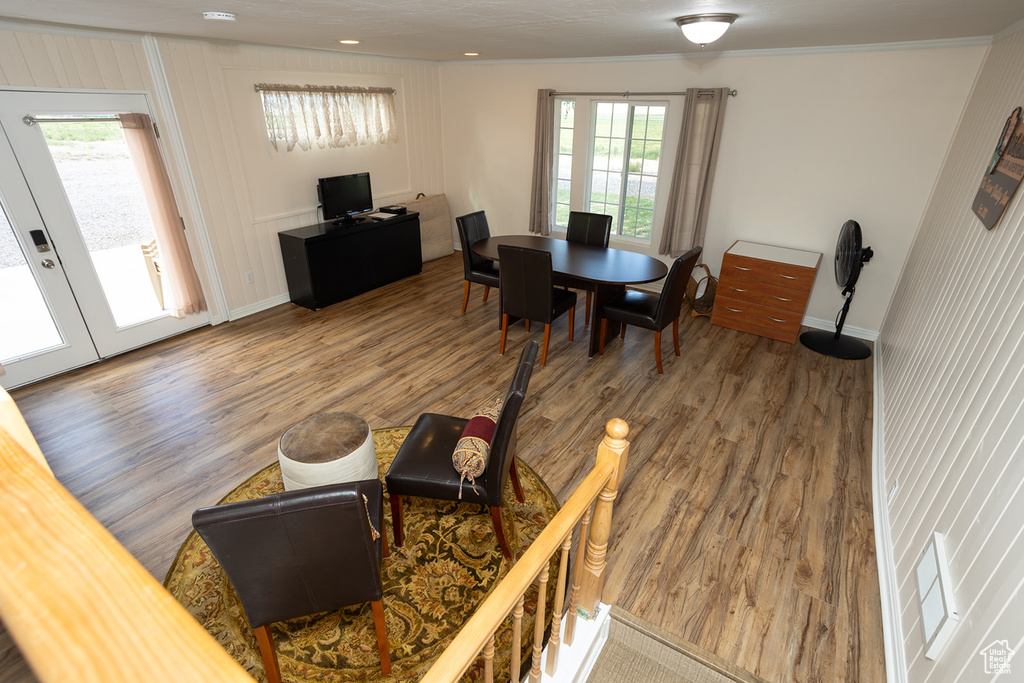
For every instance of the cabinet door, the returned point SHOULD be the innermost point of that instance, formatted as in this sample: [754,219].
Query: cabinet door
[339,266]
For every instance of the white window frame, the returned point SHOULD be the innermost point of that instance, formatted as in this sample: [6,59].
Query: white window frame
[583,166]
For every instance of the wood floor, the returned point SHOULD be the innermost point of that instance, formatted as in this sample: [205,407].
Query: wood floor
[743,524]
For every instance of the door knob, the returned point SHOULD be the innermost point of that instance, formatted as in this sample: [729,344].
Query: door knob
[48,263]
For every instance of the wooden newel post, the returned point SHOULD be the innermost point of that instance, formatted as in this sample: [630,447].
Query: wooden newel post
[614,449]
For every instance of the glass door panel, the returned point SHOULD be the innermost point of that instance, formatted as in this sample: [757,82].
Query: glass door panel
[103,190]
[28,322]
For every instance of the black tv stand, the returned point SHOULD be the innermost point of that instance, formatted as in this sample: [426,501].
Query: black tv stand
[330,262]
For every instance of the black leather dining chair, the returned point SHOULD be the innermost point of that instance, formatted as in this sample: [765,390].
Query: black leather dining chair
[302,552]
[594,229]
[527,291]
[651,311]
[423,465]
[473,228]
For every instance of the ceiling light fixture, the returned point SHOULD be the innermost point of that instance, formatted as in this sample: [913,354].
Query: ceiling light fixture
[471,54]
[218,16]
[349,42]
[705,28]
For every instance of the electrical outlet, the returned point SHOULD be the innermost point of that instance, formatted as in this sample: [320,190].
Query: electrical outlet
[250,278]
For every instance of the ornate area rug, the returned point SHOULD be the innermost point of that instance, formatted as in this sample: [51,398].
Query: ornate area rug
[432,585]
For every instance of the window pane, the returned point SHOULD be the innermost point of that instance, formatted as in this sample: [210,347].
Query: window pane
[564,166]
[603,120]
[567,113]
[620,118]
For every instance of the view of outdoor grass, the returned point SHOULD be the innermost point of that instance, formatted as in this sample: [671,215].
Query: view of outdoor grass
[627,142]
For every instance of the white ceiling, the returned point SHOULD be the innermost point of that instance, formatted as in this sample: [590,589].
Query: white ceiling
[532,29]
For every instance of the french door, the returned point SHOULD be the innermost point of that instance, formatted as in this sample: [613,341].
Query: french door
[80,275]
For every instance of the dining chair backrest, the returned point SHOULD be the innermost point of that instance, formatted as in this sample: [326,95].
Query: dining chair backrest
[674,290]
[503,442]
[526,283]
[298,553]
[594,229]
[472,228]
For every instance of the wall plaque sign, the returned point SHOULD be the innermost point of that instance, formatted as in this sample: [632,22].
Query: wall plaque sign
[1003,174]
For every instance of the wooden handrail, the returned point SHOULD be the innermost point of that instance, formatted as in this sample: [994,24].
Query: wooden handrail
[489,616]
[78,605]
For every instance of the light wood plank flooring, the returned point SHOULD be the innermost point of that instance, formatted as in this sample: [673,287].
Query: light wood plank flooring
[743,524]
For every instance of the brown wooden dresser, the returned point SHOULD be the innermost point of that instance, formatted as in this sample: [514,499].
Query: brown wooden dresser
[764,289]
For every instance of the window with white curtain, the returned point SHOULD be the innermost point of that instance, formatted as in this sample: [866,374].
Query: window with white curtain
[328,116]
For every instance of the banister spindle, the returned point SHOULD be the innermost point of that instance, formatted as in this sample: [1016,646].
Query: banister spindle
[577,576]
[538,625]
[614,449]
[556,613]
[517,639]
[489,661]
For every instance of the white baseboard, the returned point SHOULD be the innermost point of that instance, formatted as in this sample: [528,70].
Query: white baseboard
[237,313]
[575,663]
[888,588]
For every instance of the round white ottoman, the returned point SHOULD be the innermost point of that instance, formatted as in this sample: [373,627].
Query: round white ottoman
[329,448]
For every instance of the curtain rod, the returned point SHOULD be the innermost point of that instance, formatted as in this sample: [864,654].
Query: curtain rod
[628,94]
[260,87]
[32,120]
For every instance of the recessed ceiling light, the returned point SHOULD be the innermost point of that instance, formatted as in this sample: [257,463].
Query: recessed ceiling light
[349,42]
[218,16]
[471,54]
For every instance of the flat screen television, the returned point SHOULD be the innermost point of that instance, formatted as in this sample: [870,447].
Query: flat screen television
[344,195]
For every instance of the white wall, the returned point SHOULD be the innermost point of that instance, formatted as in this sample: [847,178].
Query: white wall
[810,141]
[249,191]
[951,368]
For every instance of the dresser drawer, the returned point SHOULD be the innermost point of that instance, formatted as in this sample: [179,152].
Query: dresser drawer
[769,272]
[762,320]
[763,294]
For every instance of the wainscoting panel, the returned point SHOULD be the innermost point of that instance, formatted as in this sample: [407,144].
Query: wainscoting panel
[951,367]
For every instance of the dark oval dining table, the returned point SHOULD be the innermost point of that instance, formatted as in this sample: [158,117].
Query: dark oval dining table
[606,271]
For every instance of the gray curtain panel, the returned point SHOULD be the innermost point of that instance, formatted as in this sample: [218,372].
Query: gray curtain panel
[542,208]
[686,215]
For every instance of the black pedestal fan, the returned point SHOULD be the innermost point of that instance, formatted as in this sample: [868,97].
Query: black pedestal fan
[850,257]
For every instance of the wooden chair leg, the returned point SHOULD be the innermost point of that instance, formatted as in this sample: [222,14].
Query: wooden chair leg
[547,337]
[499,531]
[572,321]
[465,297]
[396,517]
[527,323]
[657,351]
[600,339]
[675,334]
[622,331]
[382,636]
[586,321]
[516,486]
[487,290]
[269,654]
[504,333]
[384,550]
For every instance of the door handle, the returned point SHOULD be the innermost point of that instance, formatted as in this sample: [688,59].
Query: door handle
[47,263]
[39,239]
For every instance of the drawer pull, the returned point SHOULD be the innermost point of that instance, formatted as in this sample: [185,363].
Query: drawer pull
[741,268]
[788,277]
[737,289]
[782,298]
[776,320]
[734,310]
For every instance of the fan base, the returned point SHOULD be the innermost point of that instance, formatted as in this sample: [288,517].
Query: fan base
[826,343]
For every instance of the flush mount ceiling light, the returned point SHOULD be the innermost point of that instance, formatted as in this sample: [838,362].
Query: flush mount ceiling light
[218,16]
[349,42]
[705,28]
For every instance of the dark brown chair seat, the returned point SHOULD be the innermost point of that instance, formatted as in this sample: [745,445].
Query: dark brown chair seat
[423,465]
[651,311]
[302,552]
[473,228]
[527,292]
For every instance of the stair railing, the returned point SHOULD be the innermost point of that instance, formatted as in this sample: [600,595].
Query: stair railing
[477,637]
[78,605]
